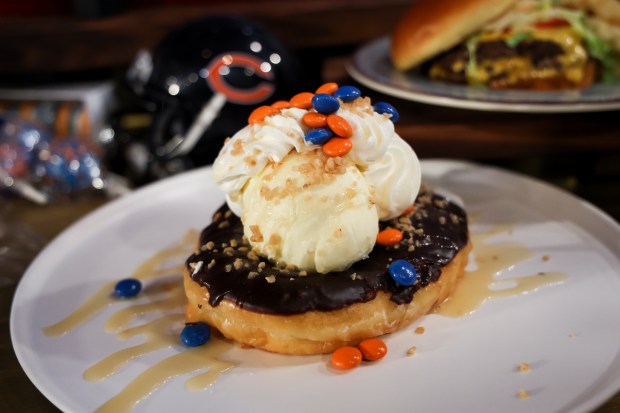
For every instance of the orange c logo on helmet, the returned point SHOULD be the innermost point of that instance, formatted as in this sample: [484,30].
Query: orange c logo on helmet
[218,84]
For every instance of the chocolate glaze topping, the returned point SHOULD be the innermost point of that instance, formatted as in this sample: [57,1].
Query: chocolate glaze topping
[432,235]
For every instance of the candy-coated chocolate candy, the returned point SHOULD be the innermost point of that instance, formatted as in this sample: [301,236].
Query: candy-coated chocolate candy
[340,126]
[281,104]
[389,236]
[373,349]
[347,93]
[403,272]
[346,358]
[318,136]
[302,100]
[384,107]
[195,334]
[260,113]
[408,210]
[328,88]
[129,287]
[324,103]
[337,146]
[315,120]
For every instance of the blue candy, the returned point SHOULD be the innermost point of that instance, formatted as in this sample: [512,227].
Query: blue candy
[403,273]
[318,136]
[384,107]
[347,93]
[195,334]
[129,287]
[325,104]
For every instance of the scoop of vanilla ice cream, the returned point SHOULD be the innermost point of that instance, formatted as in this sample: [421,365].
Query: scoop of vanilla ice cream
[311,211]
[317,221]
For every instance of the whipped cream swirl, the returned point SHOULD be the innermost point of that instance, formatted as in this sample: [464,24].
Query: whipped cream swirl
[386,161]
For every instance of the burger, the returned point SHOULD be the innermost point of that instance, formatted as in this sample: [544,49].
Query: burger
[511,44]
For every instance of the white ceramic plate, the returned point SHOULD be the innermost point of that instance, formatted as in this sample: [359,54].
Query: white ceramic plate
[371,66]
[568,333]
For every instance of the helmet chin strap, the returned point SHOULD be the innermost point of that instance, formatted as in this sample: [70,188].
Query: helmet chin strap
[182,145]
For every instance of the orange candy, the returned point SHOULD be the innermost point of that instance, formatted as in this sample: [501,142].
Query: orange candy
[339,126]
[302,100]
[337,147]
[346,358]
[327,88]
[389,236]
[315,120]
[408,210]
[260,113]
[281,104]
[373,349]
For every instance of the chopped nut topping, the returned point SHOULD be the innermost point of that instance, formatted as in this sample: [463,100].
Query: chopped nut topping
[275,240]
[224,224]
[256,234]
[228,268]
[270,279]
[237,148]
[196,266]
[252,255]
[211,264]
[238,263]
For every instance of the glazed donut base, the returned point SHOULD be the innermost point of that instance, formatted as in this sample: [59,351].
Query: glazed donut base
[317,332]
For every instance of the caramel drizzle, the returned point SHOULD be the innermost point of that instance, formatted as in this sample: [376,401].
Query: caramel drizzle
[166,294]
[483,283]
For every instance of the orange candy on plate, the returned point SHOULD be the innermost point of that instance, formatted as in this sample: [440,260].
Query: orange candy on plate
[373,349]
[346,358]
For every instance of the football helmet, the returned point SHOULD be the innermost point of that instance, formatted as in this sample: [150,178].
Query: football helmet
[201,83]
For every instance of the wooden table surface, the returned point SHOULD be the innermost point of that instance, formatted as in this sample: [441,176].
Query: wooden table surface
[580,151]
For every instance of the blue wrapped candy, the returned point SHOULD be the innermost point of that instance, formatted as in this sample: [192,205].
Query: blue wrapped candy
[66,166]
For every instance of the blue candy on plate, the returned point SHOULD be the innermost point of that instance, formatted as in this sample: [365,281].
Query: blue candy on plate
[195,334]
[128,287]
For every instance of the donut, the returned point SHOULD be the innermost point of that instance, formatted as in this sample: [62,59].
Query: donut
[281,309]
